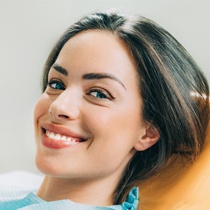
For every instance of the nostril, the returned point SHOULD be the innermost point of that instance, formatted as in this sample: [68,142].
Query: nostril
[63,116]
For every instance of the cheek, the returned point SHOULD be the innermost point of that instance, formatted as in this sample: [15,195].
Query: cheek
[42,107]
[116,126]
[114,137]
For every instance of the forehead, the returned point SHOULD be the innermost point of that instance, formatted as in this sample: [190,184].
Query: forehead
[98,51]
[101,41]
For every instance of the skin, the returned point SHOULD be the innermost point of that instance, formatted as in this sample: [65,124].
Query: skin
[105,113]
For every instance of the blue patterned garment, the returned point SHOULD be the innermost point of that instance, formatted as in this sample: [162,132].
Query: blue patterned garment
[32,202]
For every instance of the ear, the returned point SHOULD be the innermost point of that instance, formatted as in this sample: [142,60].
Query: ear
[150,136]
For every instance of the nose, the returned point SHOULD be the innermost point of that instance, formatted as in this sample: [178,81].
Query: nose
[64,107]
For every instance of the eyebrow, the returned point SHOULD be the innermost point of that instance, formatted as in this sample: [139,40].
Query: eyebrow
[90,76]
[60,69]
[97,76]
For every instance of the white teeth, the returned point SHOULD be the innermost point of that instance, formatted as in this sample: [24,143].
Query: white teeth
[69,139]
[51,135]
[56,136]
[63,138]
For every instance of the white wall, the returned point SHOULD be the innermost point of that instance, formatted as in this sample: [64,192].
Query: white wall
[28,30]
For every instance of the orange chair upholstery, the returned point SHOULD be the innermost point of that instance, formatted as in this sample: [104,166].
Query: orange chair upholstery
[179,187]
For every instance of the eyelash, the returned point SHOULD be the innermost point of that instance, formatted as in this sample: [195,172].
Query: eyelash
[56,82]
[103,93]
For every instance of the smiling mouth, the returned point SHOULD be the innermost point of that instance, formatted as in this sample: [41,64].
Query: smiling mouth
[57,137]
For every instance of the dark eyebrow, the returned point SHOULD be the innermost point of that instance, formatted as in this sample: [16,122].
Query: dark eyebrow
[95,76]
[89,76]
[60,69]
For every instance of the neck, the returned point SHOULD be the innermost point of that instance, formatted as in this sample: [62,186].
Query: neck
[97,192]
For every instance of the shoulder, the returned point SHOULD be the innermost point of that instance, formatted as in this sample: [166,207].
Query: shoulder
[17,188]
[16,185]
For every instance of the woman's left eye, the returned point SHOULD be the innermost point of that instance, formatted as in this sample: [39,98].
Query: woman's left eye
[100,94]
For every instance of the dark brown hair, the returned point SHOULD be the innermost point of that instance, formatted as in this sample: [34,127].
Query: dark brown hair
[169,80]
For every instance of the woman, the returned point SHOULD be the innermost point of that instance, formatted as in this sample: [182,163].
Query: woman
[118,101]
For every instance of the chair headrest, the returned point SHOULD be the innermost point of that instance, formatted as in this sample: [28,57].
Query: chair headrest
[180,186]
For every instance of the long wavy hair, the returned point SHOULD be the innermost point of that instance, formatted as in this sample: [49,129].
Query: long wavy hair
[174,91]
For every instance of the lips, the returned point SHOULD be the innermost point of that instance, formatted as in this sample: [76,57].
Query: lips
[57,137]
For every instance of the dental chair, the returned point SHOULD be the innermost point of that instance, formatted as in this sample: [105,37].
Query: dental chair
[179,187]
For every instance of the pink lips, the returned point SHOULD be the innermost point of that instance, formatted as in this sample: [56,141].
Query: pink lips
[58,137]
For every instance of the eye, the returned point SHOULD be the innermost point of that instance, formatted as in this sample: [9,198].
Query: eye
[56,84]
[100,94]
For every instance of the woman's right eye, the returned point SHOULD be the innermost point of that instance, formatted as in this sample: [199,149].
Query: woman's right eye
[56,84]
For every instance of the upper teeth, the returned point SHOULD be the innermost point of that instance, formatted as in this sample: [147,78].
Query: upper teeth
[56,136]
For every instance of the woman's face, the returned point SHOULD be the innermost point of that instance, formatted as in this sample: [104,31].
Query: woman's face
[88,121]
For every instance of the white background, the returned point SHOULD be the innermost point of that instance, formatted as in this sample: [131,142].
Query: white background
[29,29]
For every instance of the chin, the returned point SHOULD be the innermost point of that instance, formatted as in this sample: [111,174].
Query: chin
[45,166]
[48,167]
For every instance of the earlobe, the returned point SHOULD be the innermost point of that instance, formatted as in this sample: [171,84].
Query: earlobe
[148,139]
